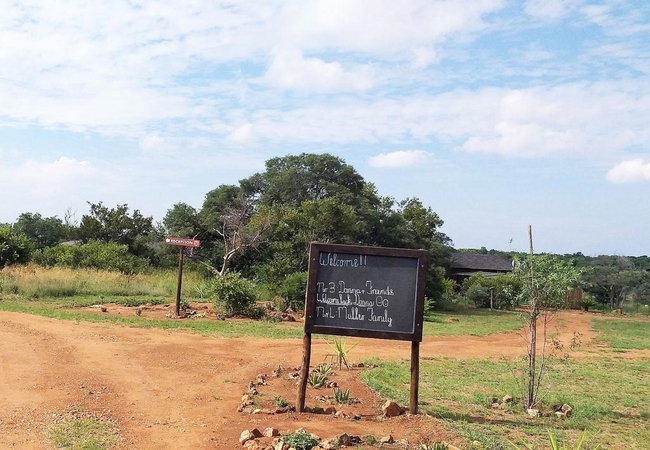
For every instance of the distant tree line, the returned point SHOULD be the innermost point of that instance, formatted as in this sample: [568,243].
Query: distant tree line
[261,228]
[608,281]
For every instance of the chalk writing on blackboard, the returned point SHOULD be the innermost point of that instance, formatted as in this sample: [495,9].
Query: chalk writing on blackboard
[358,291]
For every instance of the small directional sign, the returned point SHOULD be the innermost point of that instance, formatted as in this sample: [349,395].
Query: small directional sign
[182,242]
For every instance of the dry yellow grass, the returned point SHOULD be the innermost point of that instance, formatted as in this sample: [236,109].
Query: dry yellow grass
[33,281]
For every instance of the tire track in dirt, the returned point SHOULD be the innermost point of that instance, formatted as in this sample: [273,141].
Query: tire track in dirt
[174,390]
[32,385]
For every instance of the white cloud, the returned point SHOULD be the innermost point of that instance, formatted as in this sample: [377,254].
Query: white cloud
[289,69]
[550,9]
[115,67]
[152,143]
[570,119]
[384,27]
[242,134]
[399,159]
[630,171]
[49,179]
[424,57]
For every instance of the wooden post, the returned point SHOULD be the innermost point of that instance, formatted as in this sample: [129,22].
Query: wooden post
[415,376]
[304,372]
[180,281]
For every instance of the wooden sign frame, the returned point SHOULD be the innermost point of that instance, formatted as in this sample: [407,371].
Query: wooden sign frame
[311,300]
[181,243]
[419,257]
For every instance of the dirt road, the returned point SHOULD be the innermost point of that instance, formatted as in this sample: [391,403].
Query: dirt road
[173,390]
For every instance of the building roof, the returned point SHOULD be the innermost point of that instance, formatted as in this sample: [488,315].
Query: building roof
[464,261]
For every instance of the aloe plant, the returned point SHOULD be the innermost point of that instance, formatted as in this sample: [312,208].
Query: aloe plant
[555,445]
[340,354]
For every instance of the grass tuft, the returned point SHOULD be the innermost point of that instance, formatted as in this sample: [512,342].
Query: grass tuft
[80,431]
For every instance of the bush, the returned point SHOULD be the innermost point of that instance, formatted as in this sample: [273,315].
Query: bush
[293,291]
[479,295]
[92,255]
[15,248]
[300,441]
[503,290]
[233,294]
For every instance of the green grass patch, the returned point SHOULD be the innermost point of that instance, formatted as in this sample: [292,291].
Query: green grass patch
[622,334]
[205,327]
[473,322]
[610,398]
[80,431]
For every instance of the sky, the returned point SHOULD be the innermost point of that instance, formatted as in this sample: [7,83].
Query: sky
[496,114]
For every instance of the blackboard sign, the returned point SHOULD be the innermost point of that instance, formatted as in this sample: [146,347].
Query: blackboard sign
[365,291]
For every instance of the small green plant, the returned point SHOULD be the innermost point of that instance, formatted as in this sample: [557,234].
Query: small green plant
[323,369]
[316,380]
[341,351]
[555,445]
[185,305]
[342,396]
[279,401]
[300,440]
[436,446]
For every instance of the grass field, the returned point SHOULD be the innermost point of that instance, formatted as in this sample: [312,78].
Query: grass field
[34,282]
[610,396]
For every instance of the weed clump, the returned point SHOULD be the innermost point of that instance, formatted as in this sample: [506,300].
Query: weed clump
[301,440]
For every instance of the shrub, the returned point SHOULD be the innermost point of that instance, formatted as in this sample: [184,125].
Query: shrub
[233,294]
[293,290]
[15,248]
[92,255]
[502,289]
[301,441]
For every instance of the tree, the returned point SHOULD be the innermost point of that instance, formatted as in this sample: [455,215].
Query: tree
[232,224]
[183,221]
[545,281]
[321,198]
[612,279]
[15,248]
[116,225]
[290,180]
[42,231]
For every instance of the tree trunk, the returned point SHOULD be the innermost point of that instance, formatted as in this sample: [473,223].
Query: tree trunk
[532,342]
[532,354]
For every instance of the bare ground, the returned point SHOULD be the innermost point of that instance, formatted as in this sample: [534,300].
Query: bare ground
[174,390]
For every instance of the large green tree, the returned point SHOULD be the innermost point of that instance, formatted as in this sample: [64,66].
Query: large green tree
[293,179]
[104,224]
[321,198]
[182,220]
[42,231]
[613,278]
[263,226]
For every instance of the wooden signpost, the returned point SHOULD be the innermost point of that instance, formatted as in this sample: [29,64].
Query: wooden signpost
[180,243]
[368,292]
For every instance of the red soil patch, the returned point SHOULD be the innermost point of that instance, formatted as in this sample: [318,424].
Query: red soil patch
[174,390]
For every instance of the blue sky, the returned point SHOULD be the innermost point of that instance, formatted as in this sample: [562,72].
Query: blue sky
[497,114]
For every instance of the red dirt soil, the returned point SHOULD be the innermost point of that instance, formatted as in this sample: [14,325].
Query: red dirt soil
[174,390]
